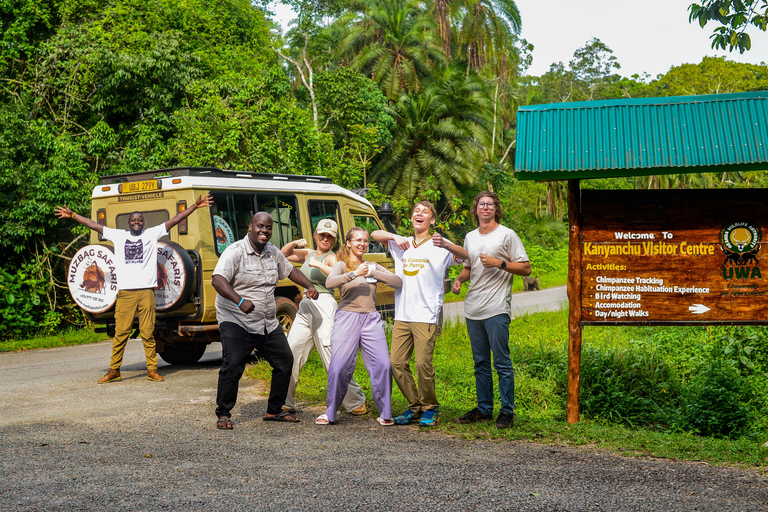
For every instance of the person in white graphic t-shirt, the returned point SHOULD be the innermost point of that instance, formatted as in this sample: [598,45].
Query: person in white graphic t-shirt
[136,261]
[421,262]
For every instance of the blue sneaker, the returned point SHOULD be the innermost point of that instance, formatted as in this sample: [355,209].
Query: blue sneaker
[430,418]
[407,417]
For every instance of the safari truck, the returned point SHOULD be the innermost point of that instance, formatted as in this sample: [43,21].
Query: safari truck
[186,314]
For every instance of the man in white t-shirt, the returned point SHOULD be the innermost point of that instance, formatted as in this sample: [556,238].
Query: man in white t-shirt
[421,262]
[495,255]
[136,262]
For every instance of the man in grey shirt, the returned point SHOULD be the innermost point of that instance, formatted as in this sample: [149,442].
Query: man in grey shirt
[245,279]
[495,255]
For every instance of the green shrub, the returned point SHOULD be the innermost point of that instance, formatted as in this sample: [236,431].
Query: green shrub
[629,385]
[716,401]
[23,301]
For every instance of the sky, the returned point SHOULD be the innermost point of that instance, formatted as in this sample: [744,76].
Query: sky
[646,36]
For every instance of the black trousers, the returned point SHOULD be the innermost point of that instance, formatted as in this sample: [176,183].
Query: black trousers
[236,347]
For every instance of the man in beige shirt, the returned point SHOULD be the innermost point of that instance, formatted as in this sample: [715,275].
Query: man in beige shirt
[245,279]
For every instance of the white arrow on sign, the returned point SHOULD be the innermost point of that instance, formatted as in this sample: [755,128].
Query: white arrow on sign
[698,309]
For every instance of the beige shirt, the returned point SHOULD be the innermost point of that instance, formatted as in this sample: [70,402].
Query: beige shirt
[254,277]
[357,294]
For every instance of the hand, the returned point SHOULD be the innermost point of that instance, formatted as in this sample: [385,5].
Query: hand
[204,201]
[456,288]
[300,243]
[314,263]
[402,242]
[312,293]
[371,268]
[63,212]
[490,261]
[247,306]
[362,269]
[438,241]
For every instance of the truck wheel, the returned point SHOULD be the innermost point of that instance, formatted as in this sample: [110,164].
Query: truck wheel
[186,353]
[286,312]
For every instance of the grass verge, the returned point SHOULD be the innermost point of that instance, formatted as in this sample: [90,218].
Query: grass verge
[537,346]
[63,339]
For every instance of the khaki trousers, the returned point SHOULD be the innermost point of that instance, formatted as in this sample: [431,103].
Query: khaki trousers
[128,303]
[407,338]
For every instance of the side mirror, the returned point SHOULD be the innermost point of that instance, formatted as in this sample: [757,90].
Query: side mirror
[385,214]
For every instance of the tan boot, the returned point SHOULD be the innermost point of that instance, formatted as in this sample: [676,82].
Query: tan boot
[111,376]
[154,376]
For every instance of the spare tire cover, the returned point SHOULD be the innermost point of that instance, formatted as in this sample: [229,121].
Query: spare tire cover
[175,276]
[92,278]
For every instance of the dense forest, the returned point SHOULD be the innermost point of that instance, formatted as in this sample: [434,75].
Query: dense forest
[404,100]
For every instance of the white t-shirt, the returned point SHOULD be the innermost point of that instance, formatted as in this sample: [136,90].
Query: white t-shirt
[422,269]
[136,256]
[490,289]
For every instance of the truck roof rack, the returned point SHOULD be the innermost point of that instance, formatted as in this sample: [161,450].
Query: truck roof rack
[213,172]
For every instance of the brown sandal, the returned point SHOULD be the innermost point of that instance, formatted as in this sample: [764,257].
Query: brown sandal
[224,423]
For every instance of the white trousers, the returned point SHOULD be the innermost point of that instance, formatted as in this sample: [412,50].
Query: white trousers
[312,328]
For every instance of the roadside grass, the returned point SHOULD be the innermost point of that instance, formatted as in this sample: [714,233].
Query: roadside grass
[539,353]
[68,337]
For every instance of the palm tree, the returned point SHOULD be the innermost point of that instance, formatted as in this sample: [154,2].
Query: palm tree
[487,30]
[393,42]
[440,135]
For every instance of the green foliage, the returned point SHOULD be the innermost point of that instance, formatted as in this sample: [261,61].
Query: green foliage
[715,403]
[628,385]
[38,169]
[713,75]
[23,300]
[250,124]
[393,42]
[439,134]
[347,98]
[733,16]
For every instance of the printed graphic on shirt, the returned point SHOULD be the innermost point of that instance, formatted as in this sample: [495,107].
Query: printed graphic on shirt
[134,252]
[412,266]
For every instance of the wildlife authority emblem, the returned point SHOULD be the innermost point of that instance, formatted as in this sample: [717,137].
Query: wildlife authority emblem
[740,242]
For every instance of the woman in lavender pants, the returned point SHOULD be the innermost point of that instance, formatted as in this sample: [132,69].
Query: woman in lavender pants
[357,325]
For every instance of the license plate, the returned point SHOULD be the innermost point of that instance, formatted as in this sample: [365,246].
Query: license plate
[139,186]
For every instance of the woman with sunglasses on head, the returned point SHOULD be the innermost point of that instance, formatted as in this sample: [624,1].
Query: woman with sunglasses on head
[314,320]
[357,325]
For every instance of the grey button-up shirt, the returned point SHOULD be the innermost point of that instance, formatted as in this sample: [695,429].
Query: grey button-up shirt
[254,277]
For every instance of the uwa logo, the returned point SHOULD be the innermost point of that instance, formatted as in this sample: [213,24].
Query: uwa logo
[740,243]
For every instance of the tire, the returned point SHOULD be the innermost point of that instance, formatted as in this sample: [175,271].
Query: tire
[286,313]
[183,353]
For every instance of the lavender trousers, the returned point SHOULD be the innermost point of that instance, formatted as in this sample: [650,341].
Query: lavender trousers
[366,332]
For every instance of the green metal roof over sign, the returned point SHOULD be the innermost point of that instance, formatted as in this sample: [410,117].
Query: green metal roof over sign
[633,137]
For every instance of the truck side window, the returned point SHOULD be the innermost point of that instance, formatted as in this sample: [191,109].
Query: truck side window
[151,219]
[369,224]
[319,210]
[285,214]
[232,215]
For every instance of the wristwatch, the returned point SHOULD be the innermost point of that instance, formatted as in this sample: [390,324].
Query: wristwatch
[503,265]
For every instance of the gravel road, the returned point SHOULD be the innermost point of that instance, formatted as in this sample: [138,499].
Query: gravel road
[70,444]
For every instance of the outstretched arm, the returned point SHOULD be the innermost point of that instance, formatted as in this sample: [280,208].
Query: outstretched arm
[458,251]
[63,212]
[201,202]
[383,237]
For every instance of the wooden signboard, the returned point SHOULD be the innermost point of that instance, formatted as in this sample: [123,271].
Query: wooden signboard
[674,257]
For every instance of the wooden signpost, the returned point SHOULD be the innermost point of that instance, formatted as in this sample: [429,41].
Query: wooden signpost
[664,257]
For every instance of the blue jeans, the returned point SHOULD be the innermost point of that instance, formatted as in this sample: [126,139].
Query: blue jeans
[492,334]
